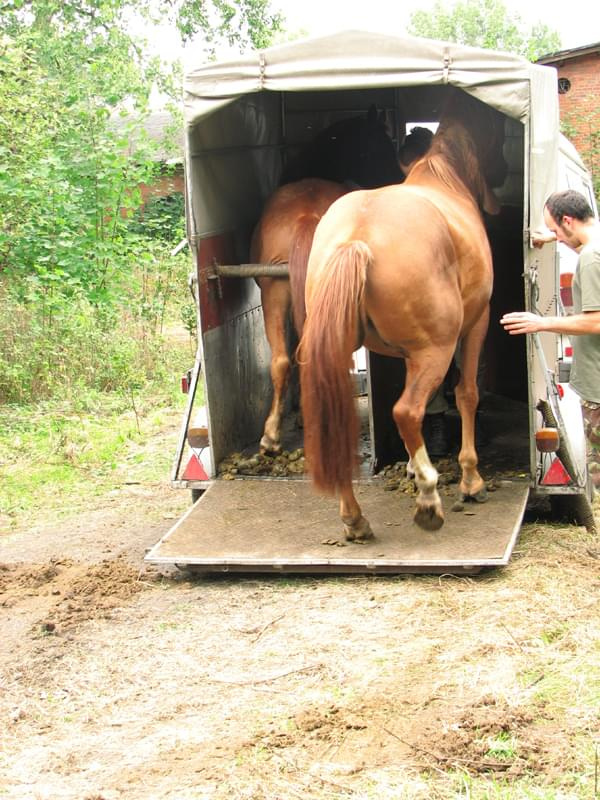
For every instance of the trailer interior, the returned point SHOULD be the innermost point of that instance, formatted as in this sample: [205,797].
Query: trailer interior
[240,369]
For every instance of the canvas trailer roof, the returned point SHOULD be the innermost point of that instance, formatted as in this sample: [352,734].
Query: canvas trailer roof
[359,60]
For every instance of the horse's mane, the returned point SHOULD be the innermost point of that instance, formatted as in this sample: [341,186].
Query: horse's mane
[467,148]
[453,159]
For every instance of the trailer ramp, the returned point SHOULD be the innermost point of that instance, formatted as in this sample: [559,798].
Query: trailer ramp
[259,525]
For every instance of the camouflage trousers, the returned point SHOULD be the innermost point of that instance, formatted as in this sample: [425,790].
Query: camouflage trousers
[591,428]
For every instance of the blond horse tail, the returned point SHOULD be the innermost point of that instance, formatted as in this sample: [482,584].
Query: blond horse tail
[331,334]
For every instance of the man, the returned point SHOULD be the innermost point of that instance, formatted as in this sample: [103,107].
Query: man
[414,147]
[570,219]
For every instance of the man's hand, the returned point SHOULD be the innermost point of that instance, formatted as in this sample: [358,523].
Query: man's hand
[522,322]
[538,240]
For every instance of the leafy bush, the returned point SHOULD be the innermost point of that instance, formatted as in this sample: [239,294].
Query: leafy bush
[161,218]
[59,349]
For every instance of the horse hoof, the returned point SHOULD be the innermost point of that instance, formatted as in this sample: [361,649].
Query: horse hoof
[359,532]
[428,518]
[268,447]
[479,497]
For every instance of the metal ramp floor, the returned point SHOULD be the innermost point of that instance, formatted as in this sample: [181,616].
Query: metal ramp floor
[281,525]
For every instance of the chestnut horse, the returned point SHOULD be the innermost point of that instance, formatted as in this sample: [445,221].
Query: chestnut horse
[284,234]
[406,271]
[357,149]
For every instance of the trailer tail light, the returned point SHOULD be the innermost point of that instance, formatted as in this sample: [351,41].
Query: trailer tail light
[568,351]
[566,280]
[198,437]
[186,381]
[566,291]
[547,440]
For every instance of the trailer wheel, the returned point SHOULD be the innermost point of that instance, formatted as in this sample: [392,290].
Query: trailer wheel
[573,508]
[197,494]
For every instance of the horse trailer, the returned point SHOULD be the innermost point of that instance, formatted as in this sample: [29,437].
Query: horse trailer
[245,119]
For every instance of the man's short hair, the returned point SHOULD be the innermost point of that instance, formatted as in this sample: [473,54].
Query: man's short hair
[415,145]
[569,202]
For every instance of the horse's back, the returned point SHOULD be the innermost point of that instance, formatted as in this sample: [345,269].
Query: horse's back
[395,222]
[287,206]
[420,253]
[423,228]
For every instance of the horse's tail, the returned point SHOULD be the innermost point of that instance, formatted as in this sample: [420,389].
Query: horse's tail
[332,332]
[298,262]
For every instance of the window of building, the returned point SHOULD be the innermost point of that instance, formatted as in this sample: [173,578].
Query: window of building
[564,84]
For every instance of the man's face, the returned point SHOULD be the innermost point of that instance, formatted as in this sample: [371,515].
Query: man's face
[563,230]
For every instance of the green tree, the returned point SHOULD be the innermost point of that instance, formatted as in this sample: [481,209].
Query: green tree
[68,179]
[487,24]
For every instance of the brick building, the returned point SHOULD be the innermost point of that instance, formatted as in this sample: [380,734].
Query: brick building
[168,137]
[579,100]
[170,155]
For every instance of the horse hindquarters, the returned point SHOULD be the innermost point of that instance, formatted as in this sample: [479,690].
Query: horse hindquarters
[297,265]
[277,295]
[284,234]
[330,336]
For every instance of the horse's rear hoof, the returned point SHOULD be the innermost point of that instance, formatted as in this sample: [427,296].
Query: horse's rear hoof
[360,532]
[479,497]
[268,447]
[429,518]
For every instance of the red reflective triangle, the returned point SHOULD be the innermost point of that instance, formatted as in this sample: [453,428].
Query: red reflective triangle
[556,475]
[194,471]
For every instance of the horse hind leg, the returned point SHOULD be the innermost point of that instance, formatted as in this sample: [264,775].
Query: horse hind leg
[270,442]
[276,300]
[408,414]
[356,527]
[472,485]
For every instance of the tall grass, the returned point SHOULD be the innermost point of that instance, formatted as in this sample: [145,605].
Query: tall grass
[84,389]
[61,348]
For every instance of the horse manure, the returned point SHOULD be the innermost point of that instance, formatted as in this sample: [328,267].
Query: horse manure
[275,466]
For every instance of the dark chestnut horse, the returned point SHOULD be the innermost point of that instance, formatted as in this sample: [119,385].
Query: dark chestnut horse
[284,234]
[358,150]
[406,271]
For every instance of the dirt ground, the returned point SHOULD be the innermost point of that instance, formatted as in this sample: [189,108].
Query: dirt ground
[118,680]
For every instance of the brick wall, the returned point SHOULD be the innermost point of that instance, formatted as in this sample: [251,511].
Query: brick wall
[580,106]
[166,185]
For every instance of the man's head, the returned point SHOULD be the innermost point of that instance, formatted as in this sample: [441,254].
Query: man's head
[416,144]
[565,213]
